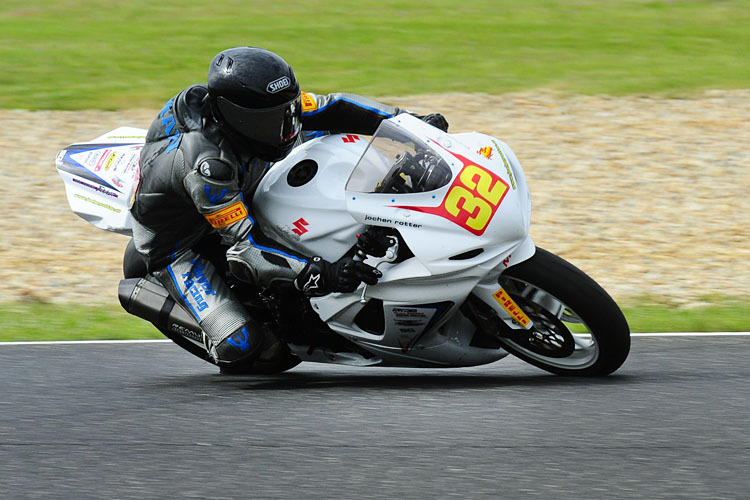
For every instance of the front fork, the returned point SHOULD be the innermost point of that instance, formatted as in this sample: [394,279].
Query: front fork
[492,294]
[510,313]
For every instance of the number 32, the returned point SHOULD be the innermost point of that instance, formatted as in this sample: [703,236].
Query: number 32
[478,196]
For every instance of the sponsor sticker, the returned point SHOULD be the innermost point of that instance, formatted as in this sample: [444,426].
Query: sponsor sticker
[96,188]
[507,167]
[96,202]
[391,222]
[308,103]
[502,298]
[411,322]
[486,152]
[136,183]
[227,216]
[102,159]
[110,160]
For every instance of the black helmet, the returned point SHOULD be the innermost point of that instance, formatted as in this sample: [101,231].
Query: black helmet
[255,97]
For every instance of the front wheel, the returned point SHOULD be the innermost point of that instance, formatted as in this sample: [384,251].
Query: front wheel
[578,329]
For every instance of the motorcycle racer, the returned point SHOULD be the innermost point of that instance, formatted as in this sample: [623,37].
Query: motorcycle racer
[204,156]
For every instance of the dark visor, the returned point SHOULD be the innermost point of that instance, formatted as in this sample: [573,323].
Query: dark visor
[272,126]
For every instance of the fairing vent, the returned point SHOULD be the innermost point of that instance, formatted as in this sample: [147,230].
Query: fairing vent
[467,255]
[371,318]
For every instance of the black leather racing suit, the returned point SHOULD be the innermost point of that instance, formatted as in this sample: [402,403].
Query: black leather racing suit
[195,184]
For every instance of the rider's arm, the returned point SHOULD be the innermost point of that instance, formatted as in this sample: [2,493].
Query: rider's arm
[214,189]
[338,113]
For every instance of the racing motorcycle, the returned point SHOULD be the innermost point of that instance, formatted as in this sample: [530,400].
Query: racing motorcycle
[463,283]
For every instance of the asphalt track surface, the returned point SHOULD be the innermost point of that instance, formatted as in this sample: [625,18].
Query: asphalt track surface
[149,421]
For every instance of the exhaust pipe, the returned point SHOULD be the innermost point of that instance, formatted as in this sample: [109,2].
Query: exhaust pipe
[151,301]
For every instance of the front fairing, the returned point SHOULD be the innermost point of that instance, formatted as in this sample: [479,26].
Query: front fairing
[463,228]
[475,218]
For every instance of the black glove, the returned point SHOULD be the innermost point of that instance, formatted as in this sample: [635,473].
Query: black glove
[374,241]
[320,277]
[436,120]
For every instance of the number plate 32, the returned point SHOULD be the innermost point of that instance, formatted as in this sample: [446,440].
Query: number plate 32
[472,199]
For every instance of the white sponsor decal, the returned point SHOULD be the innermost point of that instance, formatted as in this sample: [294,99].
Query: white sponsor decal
[278,85]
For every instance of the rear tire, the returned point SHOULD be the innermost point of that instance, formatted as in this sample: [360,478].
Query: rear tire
[578,329]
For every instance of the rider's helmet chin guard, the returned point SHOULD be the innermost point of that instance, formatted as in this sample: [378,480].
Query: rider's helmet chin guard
[255,97]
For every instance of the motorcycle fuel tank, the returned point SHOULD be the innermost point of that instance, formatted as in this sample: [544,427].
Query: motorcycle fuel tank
[300,202]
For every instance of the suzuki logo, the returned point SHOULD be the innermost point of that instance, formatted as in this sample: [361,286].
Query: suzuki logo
[350,138]
[300,224]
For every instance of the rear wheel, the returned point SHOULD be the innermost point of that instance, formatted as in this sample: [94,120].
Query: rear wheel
[578,329]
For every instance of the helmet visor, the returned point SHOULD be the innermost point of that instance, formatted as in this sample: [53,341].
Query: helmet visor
[272,126]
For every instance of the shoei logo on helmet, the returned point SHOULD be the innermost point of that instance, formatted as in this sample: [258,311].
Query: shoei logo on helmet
[278,85]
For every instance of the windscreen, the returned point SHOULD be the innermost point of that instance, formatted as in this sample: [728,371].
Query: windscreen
[396,161]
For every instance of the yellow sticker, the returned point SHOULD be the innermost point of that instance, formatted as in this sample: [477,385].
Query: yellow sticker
[308,103]
[109,161]
[502,298]
[227,216]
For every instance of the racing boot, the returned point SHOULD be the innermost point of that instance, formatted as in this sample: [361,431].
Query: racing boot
[270,352]
[242,345]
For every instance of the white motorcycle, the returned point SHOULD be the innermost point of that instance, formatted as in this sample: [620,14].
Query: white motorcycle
[463,283]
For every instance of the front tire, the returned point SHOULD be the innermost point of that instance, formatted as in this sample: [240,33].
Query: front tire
[578,329]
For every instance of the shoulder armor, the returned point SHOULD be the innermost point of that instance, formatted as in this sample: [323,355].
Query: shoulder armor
[215,168]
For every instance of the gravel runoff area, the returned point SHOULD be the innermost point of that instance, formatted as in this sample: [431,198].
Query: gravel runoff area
[648,195]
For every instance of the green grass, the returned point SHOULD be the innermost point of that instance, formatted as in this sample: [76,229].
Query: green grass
[39,321]
[725,315]
[112,55]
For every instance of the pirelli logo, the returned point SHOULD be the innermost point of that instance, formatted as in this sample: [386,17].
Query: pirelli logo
[308,102]
[227,216]
[502,297]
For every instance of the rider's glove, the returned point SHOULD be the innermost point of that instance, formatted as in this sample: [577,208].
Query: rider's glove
[320,277]
[374,241]
[436,120]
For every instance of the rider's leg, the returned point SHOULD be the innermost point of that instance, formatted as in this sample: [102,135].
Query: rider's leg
[133,265]
[231,335]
